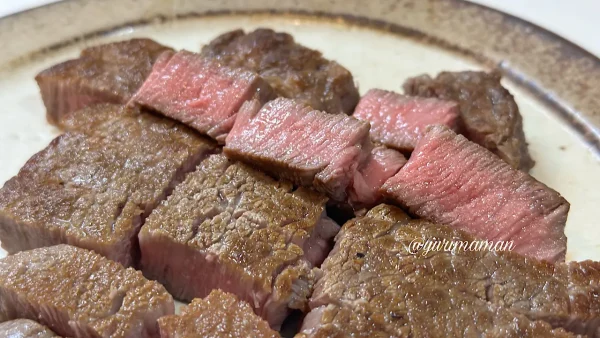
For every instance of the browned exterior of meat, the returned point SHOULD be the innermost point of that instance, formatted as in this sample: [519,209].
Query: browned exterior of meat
[109,73]
[413,293]
[220,315]
[78,293]
[231,227]
[489,113]
[293,70]
[93,190]
[25,328]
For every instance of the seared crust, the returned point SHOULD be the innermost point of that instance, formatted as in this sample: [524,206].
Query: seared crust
[372,253]
[489,112]
[240,226]
[220,315]
[109,73]
[293,70]
[25,328]
[93,189]
[78,293]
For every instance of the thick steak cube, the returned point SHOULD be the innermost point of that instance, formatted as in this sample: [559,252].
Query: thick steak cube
[78,293]
[490,116]
[230,227]
[107,73]
[398,121]
[309,147]
[376,273]
[25,328]
[200,92]
[453,181]
[219,315]
[293,70]
[94,189]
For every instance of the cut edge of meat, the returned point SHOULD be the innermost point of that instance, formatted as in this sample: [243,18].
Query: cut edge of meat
[552,247]
[143,314]
[249,86]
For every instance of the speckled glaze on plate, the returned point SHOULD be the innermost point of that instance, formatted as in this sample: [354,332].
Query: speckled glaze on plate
[556,84]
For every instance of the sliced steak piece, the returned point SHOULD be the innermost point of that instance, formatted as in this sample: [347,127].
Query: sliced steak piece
[489,112]
[293,70]
[78,293]
[107,73]
[381,164]
[292,141]
[420,311]
[94,190]
[398,121]
[231,227]
[453,181]
[219,315]
[200,92]
[25,328]
[374,259]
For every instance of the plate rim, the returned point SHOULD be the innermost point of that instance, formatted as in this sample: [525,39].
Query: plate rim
[522,51]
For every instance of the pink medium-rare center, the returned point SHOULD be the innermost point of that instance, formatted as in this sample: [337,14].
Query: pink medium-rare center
[200,92]
[398,121]
[453,181]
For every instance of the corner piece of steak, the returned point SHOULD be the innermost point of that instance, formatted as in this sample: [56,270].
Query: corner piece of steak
[294,71]
[200,92]
[219,315]
[398,121]
[490,115]
[293,141]
[25,328]
[231,227]
[106,73]
[376,274]
[94,189]
[78,293]
[453,181]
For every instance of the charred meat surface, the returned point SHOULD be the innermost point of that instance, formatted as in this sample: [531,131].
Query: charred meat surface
[93,190]
[398,121]
[199,92]
[293,141]
[219,315]
[453,181]
[109,73]
[294,71]
[374,274]
[78,293]
[231,227]
[25,328]
[489,112]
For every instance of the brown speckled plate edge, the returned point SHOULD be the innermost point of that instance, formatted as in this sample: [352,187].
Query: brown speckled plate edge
[560,73]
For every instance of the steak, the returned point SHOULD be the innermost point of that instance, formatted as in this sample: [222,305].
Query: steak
[88,119]
[230,227]
[489,112]
[292,141]
[25,328]
[200,92]
[381,164]
[94,189]
[293,70]
[452,181]
[219,315]
[110,73]
[78,293]
[373,274]
[398,121]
